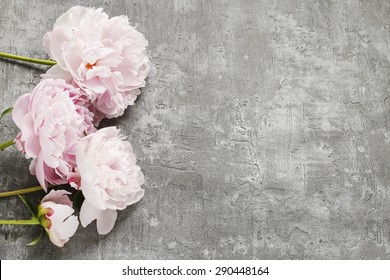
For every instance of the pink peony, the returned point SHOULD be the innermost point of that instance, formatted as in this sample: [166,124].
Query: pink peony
[52,118]
[55,215]
[103,56]
[110,180]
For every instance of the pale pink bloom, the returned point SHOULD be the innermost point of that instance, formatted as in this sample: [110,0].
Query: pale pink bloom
[103,56]
[55,215]
[110,178]
[52,118]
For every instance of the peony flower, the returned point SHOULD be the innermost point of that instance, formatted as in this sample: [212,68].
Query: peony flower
[55,215]
[52,118]
[103,56]
[110,180]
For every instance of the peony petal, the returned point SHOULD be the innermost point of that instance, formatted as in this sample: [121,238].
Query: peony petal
[61,212]
[59,197]
[68,227]
[88,213]
[56,72]
[137,196]
[40,173]
[55,237]
[92,193]
[31,140]
[20,109]
[32,166]
[105,218]
[106,221]
[52,177]
[20,144]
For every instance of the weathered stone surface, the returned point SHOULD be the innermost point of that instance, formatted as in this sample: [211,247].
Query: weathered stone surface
[263,131]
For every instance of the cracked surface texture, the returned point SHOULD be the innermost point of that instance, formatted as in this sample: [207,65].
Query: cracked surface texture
[263,131]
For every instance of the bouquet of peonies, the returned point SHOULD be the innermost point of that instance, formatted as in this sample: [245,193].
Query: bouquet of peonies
[98,67]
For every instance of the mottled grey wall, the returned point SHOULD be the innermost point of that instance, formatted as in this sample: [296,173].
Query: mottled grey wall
[263,131]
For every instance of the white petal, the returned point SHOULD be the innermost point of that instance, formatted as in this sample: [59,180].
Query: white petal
[138,195]
[59,197]
[40,173]
[105,218]
[60,214]
[56,72]
[69,227]
[20,109]
[31,144]
[88,213]
[106,221]
[55,238]
[92,193]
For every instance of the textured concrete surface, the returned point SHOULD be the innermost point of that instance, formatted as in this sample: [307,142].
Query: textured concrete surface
[263,131]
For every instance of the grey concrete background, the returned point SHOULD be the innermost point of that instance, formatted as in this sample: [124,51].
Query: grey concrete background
[263,131]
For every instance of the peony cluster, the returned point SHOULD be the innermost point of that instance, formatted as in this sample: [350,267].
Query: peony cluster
[100,67]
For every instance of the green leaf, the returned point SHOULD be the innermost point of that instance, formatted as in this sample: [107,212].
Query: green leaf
[29,205]
[78,200]
[6,112]
[36,240]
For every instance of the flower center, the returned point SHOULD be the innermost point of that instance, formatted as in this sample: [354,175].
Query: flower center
[89,66]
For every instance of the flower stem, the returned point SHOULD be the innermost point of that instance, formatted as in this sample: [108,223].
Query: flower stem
[28,59]
[5,145]
[32,221]
[23,191]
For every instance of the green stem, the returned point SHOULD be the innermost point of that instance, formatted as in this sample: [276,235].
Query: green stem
[32,221]
[5,145]
[28,59]
[23,191]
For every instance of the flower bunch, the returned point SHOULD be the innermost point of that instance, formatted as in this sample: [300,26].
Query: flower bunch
[98,67]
